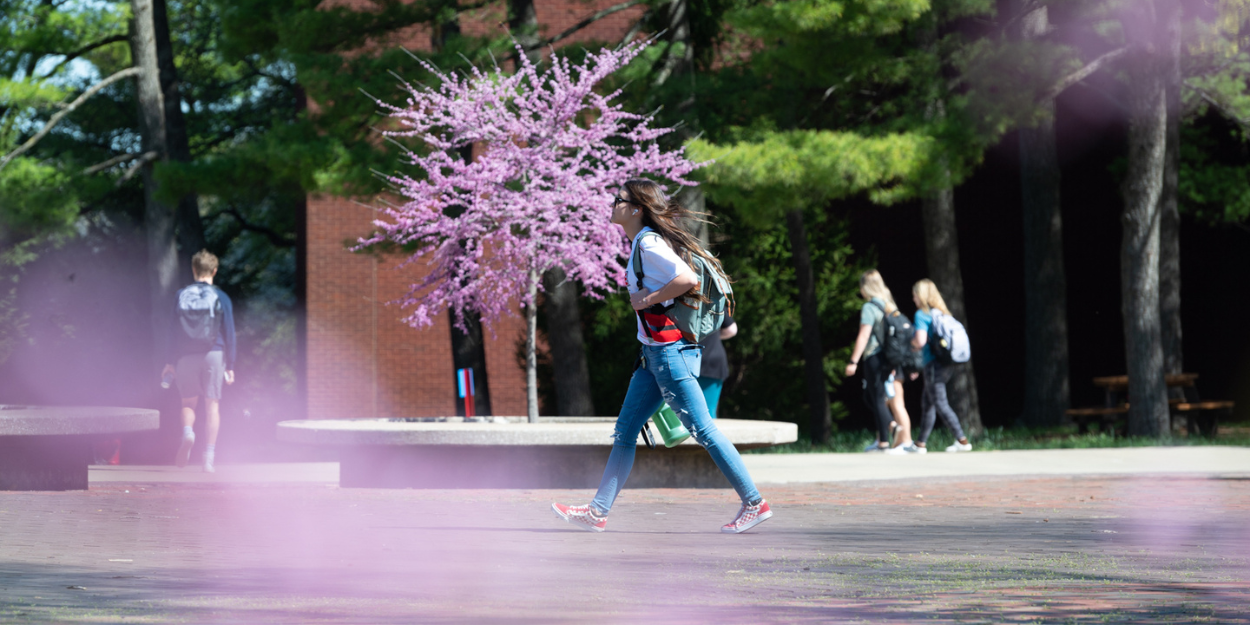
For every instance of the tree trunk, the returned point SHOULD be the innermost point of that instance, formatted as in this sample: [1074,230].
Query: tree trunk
[680,60]
[942,254]
[1169,218]
[159,220]
[1139,251]
[942,250]
[1046,379]
[523,23]
[531,356]
[813,352]
[178,147]
[568,350]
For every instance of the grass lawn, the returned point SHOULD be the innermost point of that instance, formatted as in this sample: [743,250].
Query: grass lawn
[998,439]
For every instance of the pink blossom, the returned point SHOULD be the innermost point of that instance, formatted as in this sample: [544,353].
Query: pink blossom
[553,151]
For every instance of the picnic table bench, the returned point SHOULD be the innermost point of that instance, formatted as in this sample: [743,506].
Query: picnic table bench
[49,447]
[1202,416]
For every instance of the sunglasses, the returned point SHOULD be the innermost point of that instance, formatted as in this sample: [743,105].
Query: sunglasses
[618,200]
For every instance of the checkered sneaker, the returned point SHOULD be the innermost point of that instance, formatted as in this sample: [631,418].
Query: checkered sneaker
[748,517]
[580,517]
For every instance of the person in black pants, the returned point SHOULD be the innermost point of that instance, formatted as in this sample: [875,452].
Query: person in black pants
[876,372]
[716,363]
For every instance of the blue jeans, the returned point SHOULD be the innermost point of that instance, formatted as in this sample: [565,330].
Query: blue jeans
[668,375]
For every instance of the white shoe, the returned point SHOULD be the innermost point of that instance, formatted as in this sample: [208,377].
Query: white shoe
[921,450]
[208,462]
[903,450]
[957,446]
[184,450]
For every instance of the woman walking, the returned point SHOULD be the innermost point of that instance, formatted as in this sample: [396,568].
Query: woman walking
[929,302]
[668,367]
[901,426]
[876,373]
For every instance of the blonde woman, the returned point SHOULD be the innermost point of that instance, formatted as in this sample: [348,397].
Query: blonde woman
[877,385]
[929,303]
[901,427]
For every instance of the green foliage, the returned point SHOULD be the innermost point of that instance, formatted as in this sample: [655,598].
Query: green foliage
[830,99]
[34,199]
[767,381]
[783,170]
[1215,172]
[803,18]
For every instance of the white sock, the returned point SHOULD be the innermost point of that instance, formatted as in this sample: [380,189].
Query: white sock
[187,433]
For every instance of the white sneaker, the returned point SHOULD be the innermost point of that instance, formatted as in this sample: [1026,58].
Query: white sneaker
[921,450]
[208,462]
[957,446]
[184,450]
[903,450]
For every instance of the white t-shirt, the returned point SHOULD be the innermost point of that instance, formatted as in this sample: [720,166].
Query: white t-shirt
[660,264]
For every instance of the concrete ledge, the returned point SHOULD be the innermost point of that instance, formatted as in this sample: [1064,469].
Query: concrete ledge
[510,453]
[49,447]
[69,420]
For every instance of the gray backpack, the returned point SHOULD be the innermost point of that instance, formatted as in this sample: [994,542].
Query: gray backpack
[696,320]
[200,313]
[950,340]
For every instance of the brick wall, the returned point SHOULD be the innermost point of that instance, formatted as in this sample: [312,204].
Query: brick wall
[363,361]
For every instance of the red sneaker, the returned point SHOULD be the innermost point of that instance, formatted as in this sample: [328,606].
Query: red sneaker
[748,517]
[581,516]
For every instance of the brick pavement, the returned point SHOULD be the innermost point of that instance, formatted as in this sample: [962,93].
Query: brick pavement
[995,550]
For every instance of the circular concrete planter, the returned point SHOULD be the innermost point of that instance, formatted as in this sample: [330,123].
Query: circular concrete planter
[49,447]
[508,452]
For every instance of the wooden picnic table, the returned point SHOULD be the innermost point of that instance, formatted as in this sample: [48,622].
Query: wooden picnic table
[1117,386]
[1202,415]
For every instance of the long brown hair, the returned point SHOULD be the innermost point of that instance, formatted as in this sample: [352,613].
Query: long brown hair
[666,216]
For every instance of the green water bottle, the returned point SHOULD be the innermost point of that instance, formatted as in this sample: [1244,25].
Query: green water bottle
[670,427]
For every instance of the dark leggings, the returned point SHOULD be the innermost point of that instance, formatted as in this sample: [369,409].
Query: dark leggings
[934,402]
[876,373]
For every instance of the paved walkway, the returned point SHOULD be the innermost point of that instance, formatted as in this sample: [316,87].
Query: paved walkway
[284,544]
[809,468]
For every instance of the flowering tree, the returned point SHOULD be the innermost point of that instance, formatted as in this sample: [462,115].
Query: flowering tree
[552,150]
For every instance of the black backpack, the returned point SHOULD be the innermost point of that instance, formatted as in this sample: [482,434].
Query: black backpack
[200,312]
[894,332]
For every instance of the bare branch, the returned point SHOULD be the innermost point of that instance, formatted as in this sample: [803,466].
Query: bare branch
[1217,105]
[146,158]
[276,238]
[598,15]
[116,160]
[1083,73]
[56,119]
[84,50]
[633,30]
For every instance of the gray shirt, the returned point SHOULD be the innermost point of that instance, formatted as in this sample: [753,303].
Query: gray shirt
[869,315]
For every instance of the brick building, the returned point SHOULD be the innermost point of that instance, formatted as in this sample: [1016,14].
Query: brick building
[362,360]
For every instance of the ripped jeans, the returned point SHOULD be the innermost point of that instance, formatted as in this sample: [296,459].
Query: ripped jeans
[669,375]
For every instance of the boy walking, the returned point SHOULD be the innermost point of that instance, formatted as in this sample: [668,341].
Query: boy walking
[201,344]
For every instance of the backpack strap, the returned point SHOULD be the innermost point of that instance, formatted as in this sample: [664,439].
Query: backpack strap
[637,255]
[878,328]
